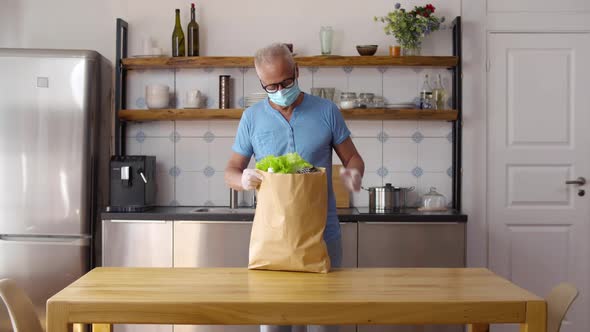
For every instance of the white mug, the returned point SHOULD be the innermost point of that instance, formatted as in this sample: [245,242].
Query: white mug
[193,99]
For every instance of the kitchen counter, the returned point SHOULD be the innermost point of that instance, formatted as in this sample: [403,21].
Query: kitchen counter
[247,214]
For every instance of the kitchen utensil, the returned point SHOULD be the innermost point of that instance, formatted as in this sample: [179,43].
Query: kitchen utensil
[327,93]
[378,102]
[326,34]
[147,45]
[347,100]
[157,95]
[224,91]
[433,201]
[366,50]
[400,105]
[365,100]
[394,50]
[387,198]
[193,99]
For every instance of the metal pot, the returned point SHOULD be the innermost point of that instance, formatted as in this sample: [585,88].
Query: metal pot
[387,198]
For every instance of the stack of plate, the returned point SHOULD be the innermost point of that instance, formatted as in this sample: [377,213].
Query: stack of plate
[401,105]
[255,97]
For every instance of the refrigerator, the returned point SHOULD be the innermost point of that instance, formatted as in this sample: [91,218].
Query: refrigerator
[55,115]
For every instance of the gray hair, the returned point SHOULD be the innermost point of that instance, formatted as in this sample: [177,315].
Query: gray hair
[271,53]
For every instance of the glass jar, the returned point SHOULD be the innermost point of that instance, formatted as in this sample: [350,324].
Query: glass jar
[434,201]
[365,100]
[378,102]
[347,100]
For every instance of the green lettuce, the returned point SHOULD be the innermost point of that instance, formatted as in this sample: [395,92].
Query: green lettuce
[287,164]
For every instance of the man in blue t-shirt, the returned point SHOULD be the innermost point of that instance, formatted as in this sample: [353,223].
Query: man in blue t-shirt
[294,121]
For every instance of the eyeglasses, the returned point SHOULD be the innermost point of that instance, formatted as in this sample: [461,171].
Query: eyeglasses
[274,87]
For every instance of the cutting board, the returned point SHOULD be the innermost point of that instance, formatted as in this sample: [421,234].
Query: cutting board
[340,192]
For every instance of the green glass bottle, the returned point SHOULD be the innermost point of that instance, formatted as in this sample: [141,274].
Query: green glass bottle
[192,32]
[177,37]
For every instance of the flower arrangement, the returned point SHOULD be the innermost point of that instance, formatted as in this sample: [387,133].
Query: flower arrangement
[410,27]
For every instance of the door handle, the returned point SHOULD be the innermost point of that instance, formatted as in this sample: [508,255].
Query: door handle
[580,181]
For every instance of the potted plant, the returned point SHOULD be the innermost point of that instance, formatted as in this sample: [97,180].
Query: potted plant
[410,27]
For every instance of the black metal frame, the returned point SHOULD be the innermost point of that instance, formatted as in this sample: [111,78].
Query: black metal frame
[120,85]
[120,96]
[458,105]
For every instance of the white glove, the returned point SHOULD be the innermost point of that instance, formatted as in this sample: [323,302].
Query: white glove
[351,178]
[250,179]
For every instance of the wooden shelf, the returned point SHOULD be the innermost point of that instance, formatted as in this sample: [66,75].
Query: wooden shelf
[308,61]
[181,114]
[236,113]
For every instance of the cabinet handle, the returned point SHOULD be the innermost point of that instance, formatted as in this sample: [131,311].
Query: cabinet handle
[410,222]
[212,222]
[124,221]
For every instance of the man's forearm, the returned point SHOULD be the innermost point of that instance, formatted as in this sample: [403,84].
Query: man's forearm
[356,162]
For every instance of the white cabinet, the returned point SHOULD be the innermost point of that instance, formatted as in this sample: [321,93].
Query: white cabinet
[137,243]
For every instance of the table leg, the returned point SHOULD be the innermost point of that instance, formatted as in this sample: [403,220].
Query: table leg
[536,317]
[57,319]
[80,328]
[478,328]
[102,327]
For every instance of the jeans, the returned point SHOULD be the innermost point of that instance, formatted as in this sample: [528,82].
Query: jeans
[335,253]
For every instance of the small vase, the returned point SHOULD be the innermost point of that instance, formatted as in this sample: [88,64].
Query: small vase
[411,51]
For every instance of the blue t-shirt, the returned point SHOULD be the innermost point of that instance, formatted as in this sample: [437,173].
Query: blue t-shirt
[316,126]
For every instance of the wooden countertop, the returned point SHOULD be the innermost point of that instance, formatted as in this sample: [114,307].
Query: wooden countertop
[344,296]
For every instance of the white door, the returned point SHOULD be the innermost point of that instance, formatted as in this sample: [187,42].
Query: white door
[538,138]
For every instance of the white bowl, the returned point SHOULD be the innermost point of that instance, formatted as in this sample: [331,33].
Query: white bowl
[157,101]
[157,89]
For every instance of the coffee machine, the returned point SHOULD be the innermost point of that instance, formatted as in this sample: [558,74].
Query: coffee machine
[132,183]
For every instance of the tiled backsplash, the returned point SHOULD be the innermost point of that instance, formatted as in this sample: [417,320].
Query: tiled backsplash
[191,155]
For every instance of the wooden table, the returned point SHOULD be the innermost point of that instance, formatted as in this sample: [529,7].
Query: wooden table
[237,296]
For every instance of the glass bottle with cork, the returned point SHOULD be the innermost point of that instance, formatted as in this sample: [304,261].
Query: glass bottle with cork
[178,37]
[192,32]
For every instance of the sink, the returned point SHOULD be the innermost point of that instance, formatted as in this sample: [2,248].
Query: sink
[224,210]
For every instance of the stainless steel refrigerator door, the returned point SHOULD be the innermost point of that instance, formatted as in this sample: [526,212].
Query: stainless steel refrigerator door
[42,266]
[45,111]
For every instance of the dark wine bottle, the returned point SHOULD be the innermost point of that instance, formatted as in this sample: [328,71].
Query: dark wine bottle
[177,37]
[192,32]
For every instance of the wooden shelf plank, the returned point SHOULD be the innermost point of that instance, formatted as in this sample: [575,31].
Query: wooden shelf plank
[181,114]
[309,61]
[399,114]
[236,113]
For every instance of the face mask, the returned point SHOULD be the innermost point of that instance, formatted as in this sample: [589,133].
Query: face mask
[285,97]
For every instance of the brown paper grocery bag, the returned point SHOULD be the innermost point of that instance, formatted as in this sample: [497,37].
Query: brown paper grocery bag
[287,233]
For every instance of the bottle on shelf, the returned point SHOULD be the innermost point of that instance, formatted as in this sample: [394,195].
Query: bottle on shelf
[439,94]
[426,101]
[178,37]
[192,34]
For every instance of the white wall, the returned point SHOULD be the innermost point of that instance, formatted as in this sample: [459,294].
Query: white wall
[228,27]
